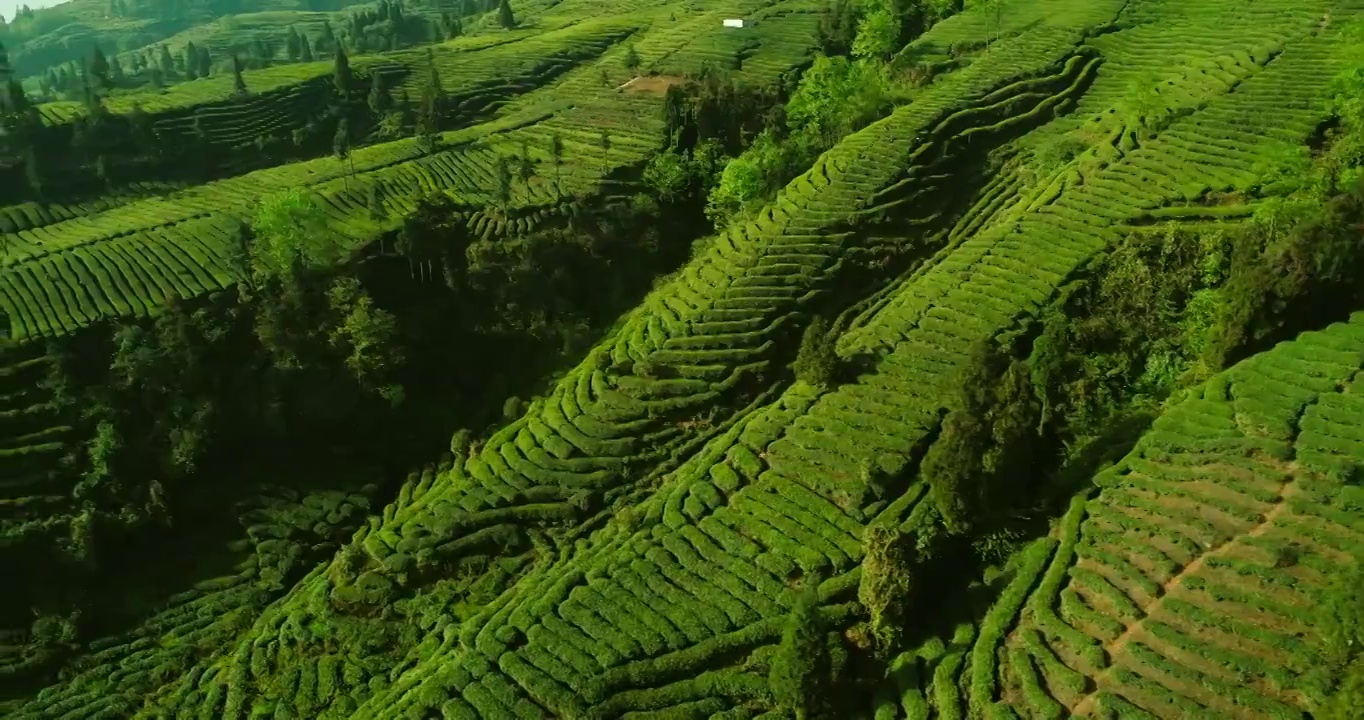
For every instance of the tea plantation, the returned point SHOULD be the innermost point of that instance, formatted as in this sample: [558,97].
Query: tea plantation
[871,360]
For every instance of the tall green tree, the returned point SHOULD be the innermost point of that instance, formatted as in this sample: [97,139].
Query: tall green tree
[368,337]
[886,584]
[305,49]
[525,166]
[505,16]
[604,142]
[238,82]
[291,237]
[556,154]
[293,44]
[326,39]
[432,100]
[798,667]
[167,62]
[99,68]
[341,146]
[504,182]
[342,79]
[191,60]
[379,100]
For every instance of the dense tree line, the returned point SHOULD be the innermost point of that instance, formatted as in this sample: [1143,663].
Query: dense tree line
[99,151]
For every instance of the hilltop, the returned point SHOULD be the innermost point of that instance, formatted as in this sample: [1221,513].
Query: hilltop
[587,360]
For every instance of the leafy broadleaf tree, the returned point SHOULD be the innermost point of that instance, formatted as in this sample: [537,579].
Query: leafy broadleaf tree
[291,237]
[367,335]
[984,451]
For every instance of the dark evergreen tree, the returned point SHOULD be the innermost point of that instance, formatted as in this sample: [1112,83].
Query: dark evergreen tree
[327,39]
[604,141]
[33,171]
[191,61]
[167,62]
[504,182]
[505,16]
[305,49]
[379,100]
[205,62]
[341,145]
[99,68]
[431,102]
[238,82]
[556,154]
[293,44]
[341,75]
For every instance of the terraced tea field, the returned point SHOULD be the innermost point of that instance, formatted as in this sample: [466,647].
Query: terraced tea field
[635,543]
[66,267]
[1192,584]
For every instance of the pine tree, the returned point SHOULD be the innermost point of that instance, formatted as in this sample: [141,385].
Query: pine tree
[504,181]
[205,62]
[379,100]
[116,74]
[99,68]
[341,74]
[341,146]
[604,141]
[33,174]
[556,153]
[293,44]
[305,49]
[432,100]
[631,59]
[238,82]
[191,61]
[525,167]
[327,38]
[505,16]
[167,62]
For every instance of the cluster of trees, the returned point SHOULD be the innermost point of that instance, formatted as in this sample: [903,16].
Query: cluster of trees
[308,351]
[99,150]
[708,120]
[850,84]
[384,27]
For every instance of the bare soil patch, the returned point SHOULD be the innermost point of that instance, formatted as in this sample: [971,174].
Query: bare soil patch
[656,84]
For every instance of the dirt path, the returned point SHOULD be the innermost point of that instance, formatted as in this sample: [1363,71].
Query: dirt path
[1289,488]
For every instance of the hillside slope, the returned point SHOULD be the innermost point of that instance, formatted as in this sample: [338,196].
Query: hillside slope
[677,522]
[1201,579]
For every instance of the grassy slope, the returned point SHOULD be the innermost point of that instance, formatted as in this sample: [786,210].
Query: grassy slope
[740,484]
